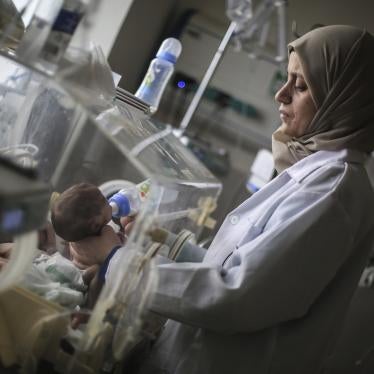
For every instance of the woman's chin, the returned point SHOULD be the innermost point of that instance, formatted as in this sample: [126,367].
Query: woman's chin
[288,130]
[285,129]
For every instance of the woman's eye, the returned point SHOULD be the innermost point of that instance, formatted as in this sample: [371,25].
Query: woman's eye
[300,88]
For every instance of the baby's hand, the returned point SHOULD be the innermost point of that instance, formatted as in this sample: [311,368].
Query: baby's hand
[127,224]
[94,249]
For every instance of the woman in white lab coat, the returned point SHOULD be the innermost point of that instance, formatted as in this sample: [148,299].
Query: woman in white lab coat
[272,291]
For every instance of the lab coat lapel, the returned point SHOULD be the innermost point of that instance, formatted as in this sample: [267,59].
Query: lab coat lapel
[238,222]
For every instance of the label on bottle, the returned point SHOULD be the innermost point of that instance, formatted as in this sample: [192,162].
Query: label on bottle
[149,78]
[67,21]
[61,34]
[154,82]
[143,189]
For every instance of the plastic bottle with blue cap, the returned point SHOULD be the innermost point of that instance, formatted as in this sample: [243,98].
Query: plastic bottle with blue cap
[37,32]
[62,31]
[159,73]
[128,201]
[51,28]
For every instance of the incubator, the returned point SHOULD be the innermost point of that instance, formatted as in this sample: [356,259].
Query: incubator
[68,133]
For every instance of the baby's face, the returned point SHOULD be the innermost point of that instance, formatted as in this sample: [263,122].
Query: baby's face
[80,211]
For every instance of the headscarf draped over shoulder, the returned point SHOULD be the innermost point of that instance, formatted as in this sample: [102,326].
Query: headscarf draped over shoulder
[338,66]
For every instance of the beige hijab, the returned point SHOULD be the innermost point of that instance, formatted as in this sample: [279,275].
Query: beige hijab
[338,66]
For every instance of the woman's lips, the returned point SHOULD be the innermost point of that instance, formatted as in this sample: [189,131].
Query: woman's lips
[283,115]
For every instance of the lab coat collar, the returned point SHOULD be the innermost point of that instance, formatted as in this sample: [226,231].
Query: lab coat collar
[307,165]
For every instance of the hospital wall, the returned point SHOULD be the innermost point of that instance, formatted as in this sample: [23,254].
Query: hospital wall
[147,23]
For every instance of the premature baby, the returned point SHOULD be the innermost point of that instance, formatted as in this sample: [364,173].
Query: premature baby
[80,213]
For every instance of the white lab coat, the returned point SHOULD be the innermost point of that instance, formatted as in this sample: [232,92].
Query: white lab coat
[271,293]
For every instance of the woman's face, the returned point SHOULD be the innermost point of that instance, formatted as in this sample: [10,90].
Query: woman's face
[296,108]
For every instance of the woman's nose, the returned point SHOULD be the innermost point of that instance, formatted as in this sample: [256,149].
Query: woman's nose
[283,95]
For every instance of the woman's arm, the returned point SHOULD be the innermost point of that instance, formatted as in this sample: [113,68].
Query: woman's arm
[274,278]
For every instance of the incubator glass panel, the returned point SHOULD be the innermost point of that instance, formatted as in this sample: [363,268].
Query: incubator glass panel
[44,127]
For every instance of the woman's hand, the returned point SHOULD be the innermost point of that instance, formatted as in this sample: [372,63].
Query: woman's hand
[94,249]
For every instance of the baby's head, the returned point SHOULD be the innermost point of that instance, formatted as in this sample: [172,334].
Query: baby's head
[79,212]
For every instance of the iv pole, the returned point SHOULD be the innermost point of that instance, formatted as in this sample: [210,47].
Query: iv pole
[207,76]
[260,17]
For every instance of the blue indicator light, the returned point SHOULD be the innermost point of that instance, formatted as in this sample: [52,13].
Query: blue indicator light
[12,219]
[181,84]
